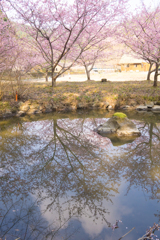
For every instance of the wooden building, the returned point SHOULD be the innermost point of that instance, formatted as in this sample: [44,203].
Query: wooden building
[129,63]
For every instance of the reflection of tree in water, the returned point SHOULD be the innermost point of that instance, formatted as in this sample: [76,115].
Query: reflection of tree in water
[49,159]
[71,169]
[21,218]
[140,164]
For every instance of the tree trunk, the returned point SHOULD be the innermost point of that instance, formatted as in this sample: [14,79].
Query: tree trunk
[149,72]
[53,78]
[155,76]
[87,73]
[46,75]
[53,81]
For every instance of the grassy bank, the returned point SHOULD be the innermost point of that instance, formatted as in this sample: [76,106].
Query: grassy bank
[70,96]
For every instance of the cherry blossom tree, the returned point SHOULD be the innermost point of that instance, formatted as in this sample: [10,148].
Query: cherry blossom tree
[141,33]
[89,57]
[7,46]
[13,52]
[16,58]
[103,51]
[54,27]
[7,42]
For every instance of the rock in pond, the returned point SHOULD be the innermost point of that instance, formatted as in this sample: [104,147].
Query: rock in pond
[120,125]
[156,108]
[142,108]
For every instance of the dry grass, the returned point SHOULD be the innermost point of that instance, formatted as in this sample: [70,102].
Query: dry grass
[89,93]
[96,91]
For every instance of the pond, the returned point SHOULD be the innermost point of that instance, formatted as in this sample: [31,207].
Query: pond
[61,180]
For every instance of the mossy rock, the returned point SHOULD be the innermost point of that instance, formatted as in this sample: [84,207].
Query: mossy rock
[119,125]
[120,115]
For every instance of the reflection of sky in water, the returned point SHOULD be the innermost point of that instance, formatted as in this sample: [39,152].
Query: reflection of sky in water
[134,210]
[77,183]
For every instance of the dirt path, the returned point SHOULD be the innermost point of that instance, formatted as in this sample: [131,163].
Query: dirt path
[114,76]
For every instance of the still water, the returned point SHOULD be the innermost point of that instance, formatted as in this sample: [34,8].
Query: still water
[59,179]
